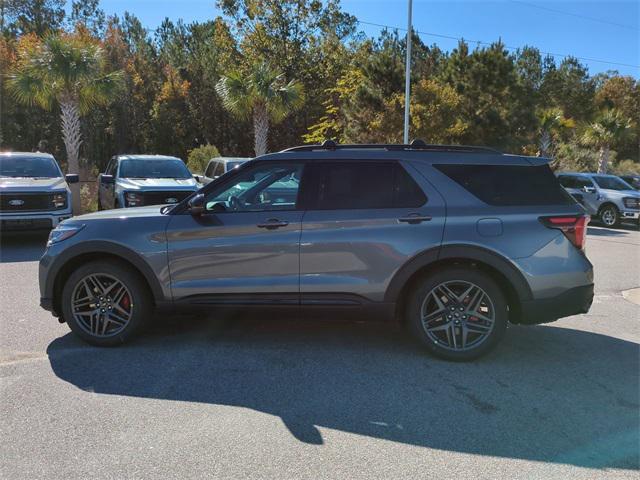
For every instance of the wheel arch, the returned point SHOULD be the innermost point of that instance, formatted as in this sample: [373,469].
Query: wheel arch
[501,270]
[64,266]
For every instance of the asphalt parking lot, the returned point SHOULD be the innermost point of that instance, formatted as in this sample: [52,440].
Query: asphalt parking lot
[247,397]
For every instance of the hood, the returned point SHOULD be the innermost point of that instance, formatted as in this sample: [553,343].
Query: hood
[620,193]
[10,184]
[122,213]
[188,184]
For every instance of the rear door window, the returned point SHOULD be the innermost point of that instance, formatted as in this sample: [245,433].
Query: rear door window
[509,185]
[345,185]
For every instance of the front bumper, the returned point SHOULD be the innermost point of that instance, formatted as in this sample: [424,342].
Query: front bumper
[629,214]
[32,220]
[572,302]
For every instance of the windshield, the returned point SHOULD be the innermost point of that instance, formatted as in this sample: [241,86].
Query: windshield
[28,167]
[612,183]
[232,165]
[157,168]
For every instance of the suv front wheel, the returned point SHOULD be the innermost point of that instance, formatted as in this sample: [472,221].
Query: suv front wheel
[105,303]
[457,313]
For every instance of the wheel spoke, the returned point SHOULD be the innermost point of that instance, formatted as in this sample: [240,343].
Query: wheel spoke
[478,328]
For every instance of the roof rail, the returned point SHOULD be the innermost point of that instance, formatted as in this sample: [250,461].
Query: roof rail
[414,145]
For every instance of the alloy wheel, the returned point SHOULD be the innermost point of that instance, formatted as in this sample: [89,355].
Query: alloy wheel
[608,217]
[457,315]
[102,305]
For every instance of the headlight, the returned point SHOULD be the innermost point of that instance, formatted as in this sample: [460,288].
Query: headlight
[133,199]
[631,202]
[59,200]
[62,232]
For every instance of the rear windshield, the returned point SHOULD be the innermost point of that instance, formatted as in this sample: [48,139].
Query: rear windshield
[509,185]
[612,183]
[160,168]
[28,167]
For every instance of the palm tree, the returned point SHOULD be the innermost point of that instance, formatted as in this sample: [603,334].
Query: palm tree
[263,95]
[552,121]
[609,129]
[70,71]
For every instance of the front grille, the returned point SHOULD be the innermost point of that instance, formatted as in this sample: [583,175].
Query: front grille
[24,202]
[159,198]
[25,224]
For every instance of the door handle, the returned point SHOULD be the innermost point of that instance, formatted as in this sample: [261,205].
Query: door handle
[273,223]
[414,218]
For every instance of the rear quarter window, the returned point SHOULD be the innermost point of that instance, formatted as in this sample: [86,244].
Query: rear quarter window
[509,185]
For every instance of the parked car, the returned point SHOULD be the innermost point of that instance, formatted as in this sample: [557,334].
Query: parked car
[137,180]
[607,197]
[219,166]
[455,242]
[633,180]
[34,194]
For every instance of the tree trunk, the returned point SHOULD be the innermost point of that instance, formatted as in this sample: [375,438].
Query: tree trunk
[260,129]
[72,136]
[545,143]
[603,165]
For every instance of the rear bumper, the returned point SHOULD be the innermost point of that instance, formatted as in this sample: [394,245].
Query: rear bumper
[572,302]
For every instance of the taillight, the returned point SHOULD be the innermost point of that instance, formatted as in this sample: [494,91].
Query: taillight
[574,228]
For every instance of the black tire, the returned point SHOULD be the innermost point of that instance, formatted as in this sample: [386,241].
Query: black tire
[140,302]
[457,276]
[609,216]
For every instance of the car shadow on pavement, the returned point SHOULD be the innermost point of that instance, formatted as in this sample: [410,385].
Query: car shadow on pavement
[620,231]
[547,394]
[22,247]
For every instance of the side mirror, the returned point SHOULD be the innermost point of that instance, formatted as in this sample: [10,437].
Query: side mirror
[589,189]
[107,179]
[197,205]
[197,177]
[72,178]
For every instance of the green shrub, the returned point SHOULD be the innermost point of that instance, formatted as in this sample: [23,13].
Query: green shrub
[199,158]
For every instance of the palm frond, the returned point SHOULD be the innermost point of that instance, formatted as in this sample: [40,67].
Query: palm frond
[234,90]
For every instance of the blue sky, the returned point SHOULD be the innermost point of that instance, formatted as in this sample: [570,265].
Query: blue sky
[600,30]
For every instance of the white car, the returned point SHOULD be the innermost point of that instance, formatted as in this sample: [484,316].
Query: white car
[34,194]
[219,166]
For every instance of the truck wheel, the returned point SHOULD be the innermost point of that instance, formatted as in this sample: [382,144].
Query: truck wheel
[610,216]
[457,313]
[105,303]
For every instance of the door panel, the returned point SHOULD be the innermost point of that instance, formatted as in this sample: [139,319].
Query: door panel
[357,251]
[228,253]
[247,242]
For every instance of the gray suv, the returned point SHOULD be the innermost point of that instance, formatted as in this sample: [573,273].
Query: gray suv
[454,242]
[607,197]
[34,194]
[137,180]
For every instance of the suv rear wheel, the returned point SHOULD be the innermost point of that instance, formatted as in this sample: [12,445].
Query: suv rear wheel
[457,313]
[105,303]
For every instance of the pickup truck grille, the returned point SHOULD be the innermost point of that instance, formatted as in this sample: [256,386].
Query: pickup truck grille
[159,198]
[23,202]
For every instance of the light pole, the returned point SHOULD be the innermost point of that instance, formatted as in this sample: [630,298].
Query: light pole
[407,79]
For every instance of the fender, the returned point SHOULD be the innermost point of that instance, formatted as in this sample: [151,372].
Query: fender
[110,248]
[458,251]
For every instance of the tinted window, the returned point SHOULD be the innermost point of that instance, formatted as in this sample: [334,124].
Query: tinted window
[219,170]
[154,168]
[569,181]
[28,167]
[269,186]
[232,165]
[361,185]
[612,183]
[507,185]
[210,168]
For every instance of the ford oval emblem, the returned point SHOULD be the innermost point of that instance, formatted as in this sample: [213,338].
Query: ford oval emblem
[16,203]
[171,200]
